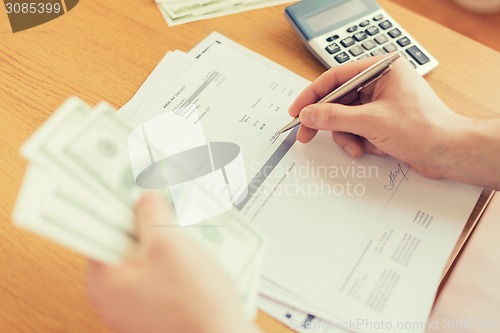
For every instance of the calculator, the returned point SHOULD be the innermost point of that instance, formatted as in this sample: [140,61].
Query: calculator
[339,31]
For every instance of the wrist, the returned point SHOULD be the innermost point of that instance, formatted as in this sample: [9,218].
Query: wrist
[471,151]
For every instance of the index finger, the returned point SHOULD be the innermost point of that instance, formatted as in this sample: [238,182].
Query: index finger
[328,81]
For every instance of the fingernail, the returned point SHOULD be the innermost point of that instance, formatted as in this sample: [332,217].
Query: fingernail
[348,149]
[307,115]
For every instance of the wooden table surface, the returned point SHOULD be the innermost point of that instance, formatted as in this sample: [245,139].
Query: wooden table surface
[103,50]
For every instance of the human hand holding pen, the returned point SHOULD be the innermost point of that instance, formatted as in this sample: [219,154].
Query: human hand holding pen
[354,85]
[399,115]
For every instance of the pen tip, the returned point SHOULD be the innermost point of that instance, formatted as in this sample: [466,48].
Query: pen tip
[284,129]
[275,137]
[290,125]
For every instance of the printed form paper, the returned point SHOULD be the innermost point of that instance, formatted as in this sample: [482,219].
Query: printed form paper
[363,241]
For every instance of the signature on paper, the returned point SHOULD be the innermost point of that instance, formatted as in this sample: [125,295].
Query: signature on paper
[394,175]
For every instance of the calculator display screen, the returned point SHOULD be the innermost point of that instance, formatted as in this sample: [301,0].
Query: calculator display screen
[335,14]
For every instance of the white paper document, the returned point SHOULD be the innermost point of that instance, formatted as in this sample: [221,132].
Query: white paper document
[357,242]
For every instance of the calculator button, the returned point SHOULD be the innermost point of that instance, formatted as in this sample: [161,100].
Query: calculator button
[347,41]
[342,57]
[364,23]
[352,28]
[364,56]
[368,45]
[381,39]
[385,24]
[356,50]
[378,17]
[332,38]
[360,36]
[333,48]
[390,48]
[373,30]
[377,52]
[417,55]
[403,55]
[403,41]
[394,33]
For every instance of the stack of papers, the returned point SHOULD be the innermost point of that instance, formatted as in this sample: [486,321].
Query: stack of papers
[178,12]
[354,245]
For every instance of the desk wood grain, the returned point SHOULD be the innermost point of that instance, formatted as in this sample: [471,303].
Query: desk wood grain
[104,51]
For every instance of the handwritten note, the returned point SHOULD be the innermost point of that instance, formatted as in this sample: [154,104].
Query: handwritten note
[400,174]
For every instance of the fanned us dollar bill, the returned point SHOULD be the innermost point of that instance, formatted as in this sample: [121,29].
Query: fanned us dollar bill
[177,12]
[79,191]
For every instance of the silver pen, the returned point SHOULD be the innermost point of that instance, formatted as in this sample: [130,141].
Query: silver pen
[357,83]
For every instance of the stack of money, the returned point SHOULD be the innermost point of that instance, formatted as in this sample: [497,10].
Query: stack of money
[79,191]
[178,12]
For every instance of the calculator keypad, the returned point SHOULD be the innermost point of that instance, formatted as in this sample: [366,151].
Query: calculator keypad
[369,44]
[332,38]
[404,41]
[377,52]
[333,48]
[360,36]
[394,33]
[417,55]
[381,39]
[390,48]
[356,50]
[385,24]
[372,38]
[372,31]
[346,42]
[342,57]
[352,28]
[364,23]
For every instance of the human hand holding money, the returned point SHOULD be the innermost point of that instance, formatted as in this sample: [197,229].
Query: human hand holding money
[172,285]
[79,191]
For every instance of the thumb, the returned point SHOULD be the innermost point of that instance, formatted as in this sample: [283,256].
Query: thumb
[357,119]
[152,213]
